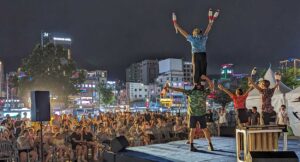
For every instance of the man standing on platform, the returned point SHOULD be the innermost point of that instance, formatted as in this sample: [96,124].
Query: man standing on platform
[266,98]
[197,109]
[198,40]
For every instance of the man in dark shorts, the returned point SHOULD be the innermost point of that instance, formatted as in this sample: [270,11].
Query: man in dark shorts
[197,109]
[198,41]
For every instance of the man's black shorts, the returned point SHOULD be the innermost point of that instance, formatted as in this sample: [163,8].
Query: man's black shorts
[200,119]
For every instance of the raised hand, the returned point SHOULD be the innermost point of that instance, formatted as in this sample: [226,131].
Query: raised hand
[216,14]
[210,15]
[220,87]
[174,19]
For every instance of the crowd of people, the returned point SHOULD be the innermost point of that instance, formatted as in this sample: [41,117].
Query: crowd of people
[70,137]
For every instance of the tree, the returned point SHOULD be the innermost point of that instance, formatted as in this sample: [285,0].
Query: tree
[222,98]
[106,94]
[289,79]
[49,68]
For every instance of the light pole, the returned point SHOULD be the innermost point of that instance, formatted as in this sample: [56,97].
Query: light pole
[1,78]
[7,95]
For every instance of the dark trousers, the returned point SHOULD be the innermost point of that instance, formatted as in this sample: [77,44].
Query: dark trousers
[199,66]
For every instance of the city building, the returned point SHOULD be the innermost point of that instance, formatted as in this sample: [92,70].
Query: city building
[170,70]
[133,73]
[1,78]
[144,72]
[149,71]
[89,96]
[187,72]
[140,91]
[99,76]
[227,71]
[57,39]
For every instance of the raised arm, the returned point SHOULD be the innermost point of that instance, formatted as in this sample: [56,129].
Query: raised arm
[181,31]
[225,90]
[208,28]
[174,89]
[210,83]
[249,89]
[254,85]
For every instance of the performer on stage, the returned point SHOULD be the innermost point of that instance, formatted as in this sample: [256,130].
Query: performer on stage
[267,94]
[239,102]
[197,109]
[198,41]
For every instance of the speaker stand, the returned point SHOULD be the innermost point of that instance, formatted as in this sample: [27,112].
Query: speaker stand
[41,145]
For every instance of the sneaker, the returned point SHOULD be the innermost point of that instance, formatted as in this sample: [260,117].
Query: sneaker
[210,147]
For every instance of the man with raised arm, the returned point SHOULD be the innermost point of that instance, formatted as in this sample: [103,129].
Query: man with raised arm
[197,109]
[198,41]
[266,97]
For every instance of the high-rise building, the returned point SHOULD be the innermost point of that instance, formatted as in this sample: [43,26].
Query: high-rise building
[133,73]
[144,72]
[187,72]
[170,70]
[149,71]
[57,39]
[1,78]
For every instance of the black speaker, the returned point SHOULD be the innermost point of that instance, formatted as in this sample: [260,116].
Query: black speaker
[273,156]
[118,144]
[109,157]
[227,131]
[40,106]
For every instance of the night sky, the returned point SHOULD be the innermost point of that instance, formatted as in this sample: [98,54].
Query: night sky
[112,34]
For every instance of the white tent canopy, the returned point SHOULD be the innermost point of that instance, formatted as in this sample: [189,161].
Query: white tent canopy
[293,109]
[254,98]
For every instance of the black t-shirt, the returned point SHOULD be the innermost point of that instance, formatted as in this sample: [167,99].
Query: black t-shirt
[88,137]
[76,137]
[254,118]
[18,123]
[147,117]
[209,117]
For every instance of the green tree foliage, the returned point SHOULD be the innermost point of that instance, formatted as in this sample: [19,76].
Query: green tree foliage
[222,98]
[106,94]
[289,79]
[49,68]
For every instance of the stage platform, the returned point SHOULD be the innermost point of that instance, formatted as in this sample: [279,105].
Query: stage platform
[178,151]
